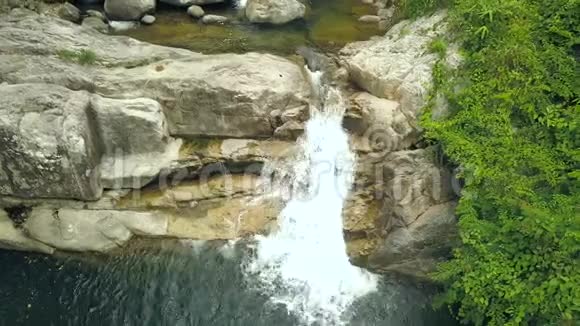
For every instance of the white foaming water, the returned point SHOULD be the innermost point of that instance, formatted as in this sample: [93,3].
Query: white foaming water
[241,4]
[304,264]
[119,26]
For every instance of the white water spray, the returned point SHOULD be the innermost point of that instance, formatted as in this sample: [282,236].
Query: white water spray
[241,4]
[304,264]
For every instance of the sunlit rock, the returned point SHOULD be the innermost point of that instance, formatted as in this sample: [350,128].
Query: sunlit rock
[225,95]
[274,11]
[91,230]
[33,34]
[47,143]
[397,66]
[135,141]
[128,9]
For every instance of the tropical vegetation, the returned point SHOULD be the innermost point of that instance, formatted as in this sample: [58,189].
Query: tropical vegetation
[511,130]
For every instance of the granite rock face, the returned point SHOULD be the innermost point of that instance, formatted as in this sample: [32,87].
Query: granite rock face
[400,214]
[226,95]
[397,66]
[135,141]
[48,146]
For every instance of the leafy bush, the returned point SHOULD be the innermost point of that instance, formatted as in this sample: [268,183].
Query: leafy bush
[82,57]
[438,46]
[416,8]
[513,131]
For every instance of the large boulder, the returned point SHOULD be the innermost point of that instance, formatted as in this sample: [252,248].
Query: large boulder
[48,147]
[274,11]
[70,144]
[380,125]
[225,95]
[417,248]
[135,141]
[13,238]
[393,191]
[68,11]
[96,23]
[91,230]
[399,215]
[413,181]
[128,9]
[397,66]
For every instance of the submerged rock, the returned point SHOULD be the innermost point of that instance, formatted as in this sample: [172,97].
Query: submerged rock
[178,3]
[128,9]
[148,19]
[214,19]
[274,11]
[195,11]
[96,13]
[369,19]
[206,2]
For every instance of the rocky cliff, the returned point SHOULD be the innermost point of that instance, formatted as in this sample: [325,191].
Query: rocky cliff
[138,142]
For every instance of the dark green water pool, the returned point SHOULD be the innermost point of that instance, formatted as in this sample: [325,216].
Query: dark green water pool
[172,284]
[329,25]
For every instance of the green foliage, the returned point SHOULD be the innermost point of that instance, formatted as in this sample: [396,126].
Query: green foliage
[416,8]
[82,57]
[513,131]
[438,46]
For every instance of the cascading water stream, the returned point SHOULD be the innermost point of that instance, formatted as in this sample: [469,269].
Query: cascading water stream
[304,264]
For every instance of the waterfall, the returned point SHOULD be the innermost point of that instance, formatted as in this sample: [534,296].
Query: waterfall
[304,264]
